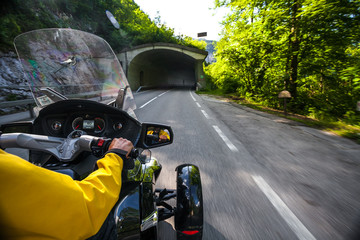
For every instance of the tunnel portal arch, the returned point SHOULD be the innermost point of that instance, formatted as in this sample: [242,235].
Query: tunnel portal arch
[163,65]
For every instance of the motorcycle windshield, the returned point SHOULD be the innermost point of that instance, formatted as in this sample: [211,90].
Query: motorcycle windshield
[66,63]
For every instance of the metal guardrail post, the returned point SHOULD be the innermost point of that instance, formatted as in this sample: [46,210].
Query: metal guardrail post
[31,111]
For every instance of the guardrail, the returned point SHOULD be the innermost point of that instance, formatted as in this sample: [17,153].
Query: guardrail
[29,102]
[16,103]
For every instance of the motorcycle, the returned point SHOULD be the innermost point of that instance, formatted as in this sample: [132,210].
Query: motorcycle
[84,101]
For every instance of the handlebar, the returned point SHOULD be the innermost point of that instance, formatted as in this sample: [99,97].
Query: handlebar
[64,149]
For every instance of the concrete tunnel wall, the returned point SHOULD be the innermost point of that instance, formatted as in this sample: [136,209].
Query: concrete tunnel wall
[163,65]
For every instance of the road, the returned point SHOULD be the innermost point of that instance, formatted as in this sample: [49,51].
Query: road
[263,177]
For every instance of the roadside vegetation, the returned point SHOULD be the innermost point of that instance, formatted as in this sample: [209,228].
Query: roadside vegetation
[136,27]
[310,48]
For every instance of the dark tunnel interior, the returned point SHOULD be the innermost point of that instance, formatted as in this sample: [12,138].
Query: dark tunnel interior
[162,68]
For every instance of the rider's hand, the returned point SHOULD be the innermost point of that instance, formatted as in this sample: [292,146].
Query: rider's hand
[163,138]
[123,144]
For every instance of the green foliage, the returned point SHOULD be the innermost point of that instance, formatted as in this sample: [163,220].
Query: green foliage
[188,41]
[9,28]
[310,48]
[88,15]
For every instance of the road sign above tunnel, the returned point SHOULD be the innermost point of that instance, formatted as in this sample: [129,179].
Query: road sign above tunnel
[202,34]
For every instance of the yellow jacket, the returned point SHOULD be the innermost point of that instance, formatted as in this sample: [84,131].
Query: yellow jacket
[161,133]
[36,203]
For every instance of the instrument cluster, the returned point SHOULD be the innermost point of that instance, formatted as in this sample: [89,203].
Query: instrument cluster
[96,119]
[92,124]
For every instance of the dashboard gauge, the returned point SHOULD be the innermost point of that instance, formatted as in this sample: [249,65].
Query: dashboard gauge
[99,125]
[117,126]
[56,125]
[77,124]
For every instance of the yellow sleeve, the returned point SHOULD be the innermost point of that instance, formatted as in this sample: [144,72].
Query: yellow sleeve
[37,203]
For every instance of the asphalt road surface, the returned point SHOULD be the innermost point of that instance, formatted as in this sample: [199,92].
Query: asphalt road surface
[263,177]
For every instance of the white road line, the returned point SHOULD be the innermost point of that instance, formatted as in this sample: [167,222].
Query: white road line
[294,223]
[198,105]
[148,102]
[205,114]
[192,97]
[163,93]
[153,99]
[225,139]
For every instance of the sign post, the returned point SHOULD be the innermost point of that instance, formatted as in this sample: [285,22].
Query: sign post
[284,95]
[202,34]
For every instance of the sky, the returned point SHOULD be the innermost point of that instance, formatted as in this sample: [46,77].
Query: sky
[187,17]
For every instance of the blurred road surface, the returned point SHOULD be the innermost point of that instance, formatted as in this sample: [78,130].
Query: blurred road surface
[263,177]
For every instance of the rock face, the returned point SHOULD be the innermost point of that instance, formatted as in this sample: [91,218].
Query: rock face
[12,82]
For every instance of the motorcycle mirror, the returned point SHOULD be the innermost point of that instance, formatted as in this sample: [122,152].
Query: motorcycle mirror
[155,135]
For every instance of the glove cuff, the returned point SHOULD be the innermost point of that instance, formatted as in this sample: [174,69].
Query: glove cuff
[119,152]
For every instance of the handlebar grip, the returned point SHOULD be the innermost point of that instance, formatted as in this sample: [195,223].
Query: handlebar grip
[99,146]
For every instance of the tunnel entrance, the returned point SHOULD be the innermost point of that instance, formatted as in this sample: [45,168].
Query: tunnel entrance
[163,65]
[163,68]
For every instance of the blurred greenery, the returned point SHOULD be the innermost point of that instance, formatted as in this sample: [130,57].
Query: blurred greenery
[136,27]
[310,48]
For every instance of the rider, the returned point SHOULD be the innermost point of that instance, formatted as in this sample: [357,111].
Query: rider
[161,134]
[37,203]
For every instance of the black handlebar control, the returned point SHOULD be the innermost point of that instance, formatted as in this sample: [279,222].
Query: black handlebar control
[99,146]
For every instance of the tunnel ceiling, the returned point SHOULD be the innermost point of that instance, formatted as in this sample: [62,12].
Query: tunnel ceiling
[166,58]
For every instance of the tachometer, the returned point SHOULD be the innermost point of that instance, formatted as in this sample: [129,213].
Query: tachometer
[99,125]
[77,124]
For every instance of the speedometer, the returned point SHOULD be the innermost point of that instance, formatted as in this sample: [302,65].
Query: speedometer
[77,124]
[99,125]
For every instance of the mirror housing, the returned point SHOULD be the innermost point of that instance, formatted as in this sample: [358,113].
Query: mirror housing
[155,135]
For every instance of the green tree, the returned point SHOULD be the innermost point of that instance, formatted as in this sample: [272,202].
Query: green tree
[87,15]
[309,48]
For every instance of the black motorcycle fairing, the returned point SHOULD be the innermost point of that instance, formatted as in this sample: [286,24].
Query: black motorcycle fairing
[148,206]
[77,170]
[127,211]
[66,111]
[189,205]
[22,126]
